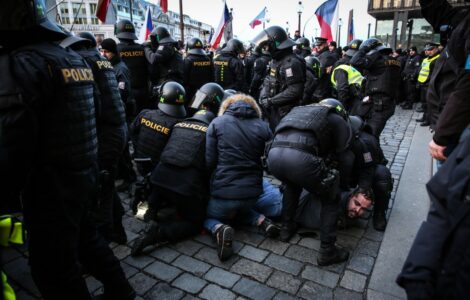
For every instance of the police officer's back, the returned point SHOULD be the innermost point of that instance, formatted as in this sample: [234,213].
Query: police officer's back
[134,57]
[284,85]
[198,67]
[313,74]
[302,47]
[260,71]
[163,56]
[228,67]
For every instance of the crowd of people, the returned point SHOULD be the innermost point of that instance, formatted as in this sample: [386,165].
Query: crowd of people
[193,133]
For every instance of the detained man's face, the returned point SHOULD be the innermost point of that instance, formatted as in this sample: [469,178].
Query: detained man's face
[357,205]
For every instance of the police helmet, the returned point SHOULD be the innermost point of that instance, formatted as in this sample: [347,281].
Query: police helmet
[314,63]
[88,36]
[353,47]
[374,44]
[124,29]
[235,46]
[275,37]
[337,105]
[72,40]
[25,16]
[229,92]
[203,116]
[195,46]
[303,43]
[162,35]
[171,99]
[209,96]
[357,124]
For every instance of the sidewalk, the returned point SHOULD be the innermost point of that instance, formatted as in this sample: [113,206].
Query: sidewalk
[269,269]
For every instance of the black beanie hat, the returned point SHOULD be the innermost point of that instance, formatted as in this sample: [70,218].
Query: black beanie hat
[109,45]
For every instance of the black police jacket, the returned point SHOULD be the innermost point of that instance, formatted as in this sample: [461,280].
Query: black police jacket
[324,88]
[229,72]
[412,67]
[150,132]
[437,264]
[449,86]
[260,70]
[248,64]
[284,84]
[123,76]
[310,86]
[133,56]
[198,70]
[166,63]
[110,116]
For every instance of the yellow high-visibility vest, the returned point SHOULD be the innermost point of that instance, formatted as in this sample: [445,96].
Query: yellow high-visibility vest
[354,76]
[426,68]
[11,231]
[8,292]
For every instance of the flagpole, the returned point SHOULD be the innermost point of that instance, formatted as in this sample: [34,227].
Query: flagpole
[181,21]
[338,28]
[75,17]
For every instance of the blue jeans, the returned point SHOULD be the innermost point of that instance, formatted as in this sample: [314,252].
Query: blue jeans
[247,211]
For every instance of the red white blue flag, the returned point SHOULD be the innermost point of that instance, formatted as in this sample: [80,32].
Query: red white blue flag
[351,26]
[259,18]
[327,15]
[219,32]
[147,27]
[102,9]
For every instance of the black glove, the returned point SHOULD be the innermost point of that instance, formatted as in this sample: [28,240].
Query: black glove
[265,103]
[330,179]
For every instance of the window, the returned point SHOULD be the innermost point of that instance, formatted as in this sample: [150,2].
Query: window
[388,3]
[92,9]
[376,4]
[409,3]
[64,8]
[398,3]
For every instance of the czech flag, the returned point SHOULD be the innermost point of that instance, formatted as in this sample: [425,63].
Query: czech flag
[147,27]
[215,40]
[102,10]
[327,15]
[351,26]
[259,18]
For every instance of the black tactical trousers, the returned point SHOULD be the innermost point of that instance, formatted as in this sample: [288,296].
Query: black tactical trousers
[191,212]
[382,109]
[382,186]
[411,92]
[423,91]
[62,237]
[125,167]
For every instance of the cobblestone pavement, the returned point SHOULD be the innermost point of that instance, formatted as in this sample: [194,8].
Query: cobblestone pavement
[262,268]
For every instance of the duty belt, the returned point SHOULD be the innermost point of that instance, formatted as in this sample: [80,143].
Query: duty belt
[299,146]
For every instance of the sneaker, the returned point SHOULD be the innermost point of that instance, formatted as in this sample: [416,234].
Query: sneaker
[331,254]
[224,236]
[287,231]
[270,229]
[379,221]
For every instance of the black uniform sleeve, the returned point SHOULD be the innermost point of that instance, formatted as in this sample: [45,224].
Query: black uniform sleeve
[259,70]
[361,61]
[438,13]
[187,71]
[342,85]
[294,74]
[162,54]
[239,72]
[211,148]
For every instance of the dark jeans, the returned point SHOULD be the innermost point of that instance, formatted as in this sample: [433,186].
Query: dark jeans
[191,212]
[62,236]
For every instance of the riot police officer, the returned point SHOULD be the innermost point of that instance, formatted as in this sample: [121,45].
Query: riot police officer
[112,136]
[198,67]
[410,74]
[208,97]
[313,75]
[283,87]
[228,67]
[133,56]
[383,76]
[347,81]
[163,56]
[302,47]
[249,62]
[180,180]
[327,60]
[303,141]
[49,145]
[260,70]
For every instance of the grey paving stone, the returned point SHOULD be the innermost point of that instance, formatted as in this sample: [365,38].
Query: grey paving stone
[191,265]
[275,246]
[253,290]
[375,295]
[312,290]
[347,241]
[190,297]
[353,281]
[353,231]
[361,263]
[237,246]
[310,243]
[133,224]
[165,253]
[253,253]
[121,251]
[131,236]
[252,269]
[92,283]
[189,283]
[302,254]
[284,296]
[162,271]
[368,247]
[222,277]
[128,270]
[341,294]
[373,234]
[142,283]
[284,264]
[206,239]
[188,247]
[139,262]
[249,237]
[215,292]
[285,282]
[209,255]
[320,276]
[163,291]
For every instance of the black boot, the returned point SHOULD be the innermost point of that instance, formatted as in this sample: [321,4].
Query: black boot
[331,254]
[287,231]
[269,228]
[151,237]
[379,220]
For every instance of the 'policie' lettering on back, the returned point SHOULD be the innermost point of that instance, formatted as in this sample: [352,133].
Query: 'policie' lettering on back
[157,127]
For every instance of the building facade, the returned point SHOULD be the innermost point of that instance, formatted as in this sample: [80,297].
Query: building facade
[399,23]
[80,15]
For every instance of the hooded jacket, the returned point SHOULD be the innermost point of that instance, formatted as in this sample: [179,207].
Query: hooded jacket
[234,145]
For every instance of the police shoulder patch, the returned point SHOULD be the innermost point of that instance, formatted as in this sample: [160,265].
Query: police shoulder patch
[367,157]
[289,72]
